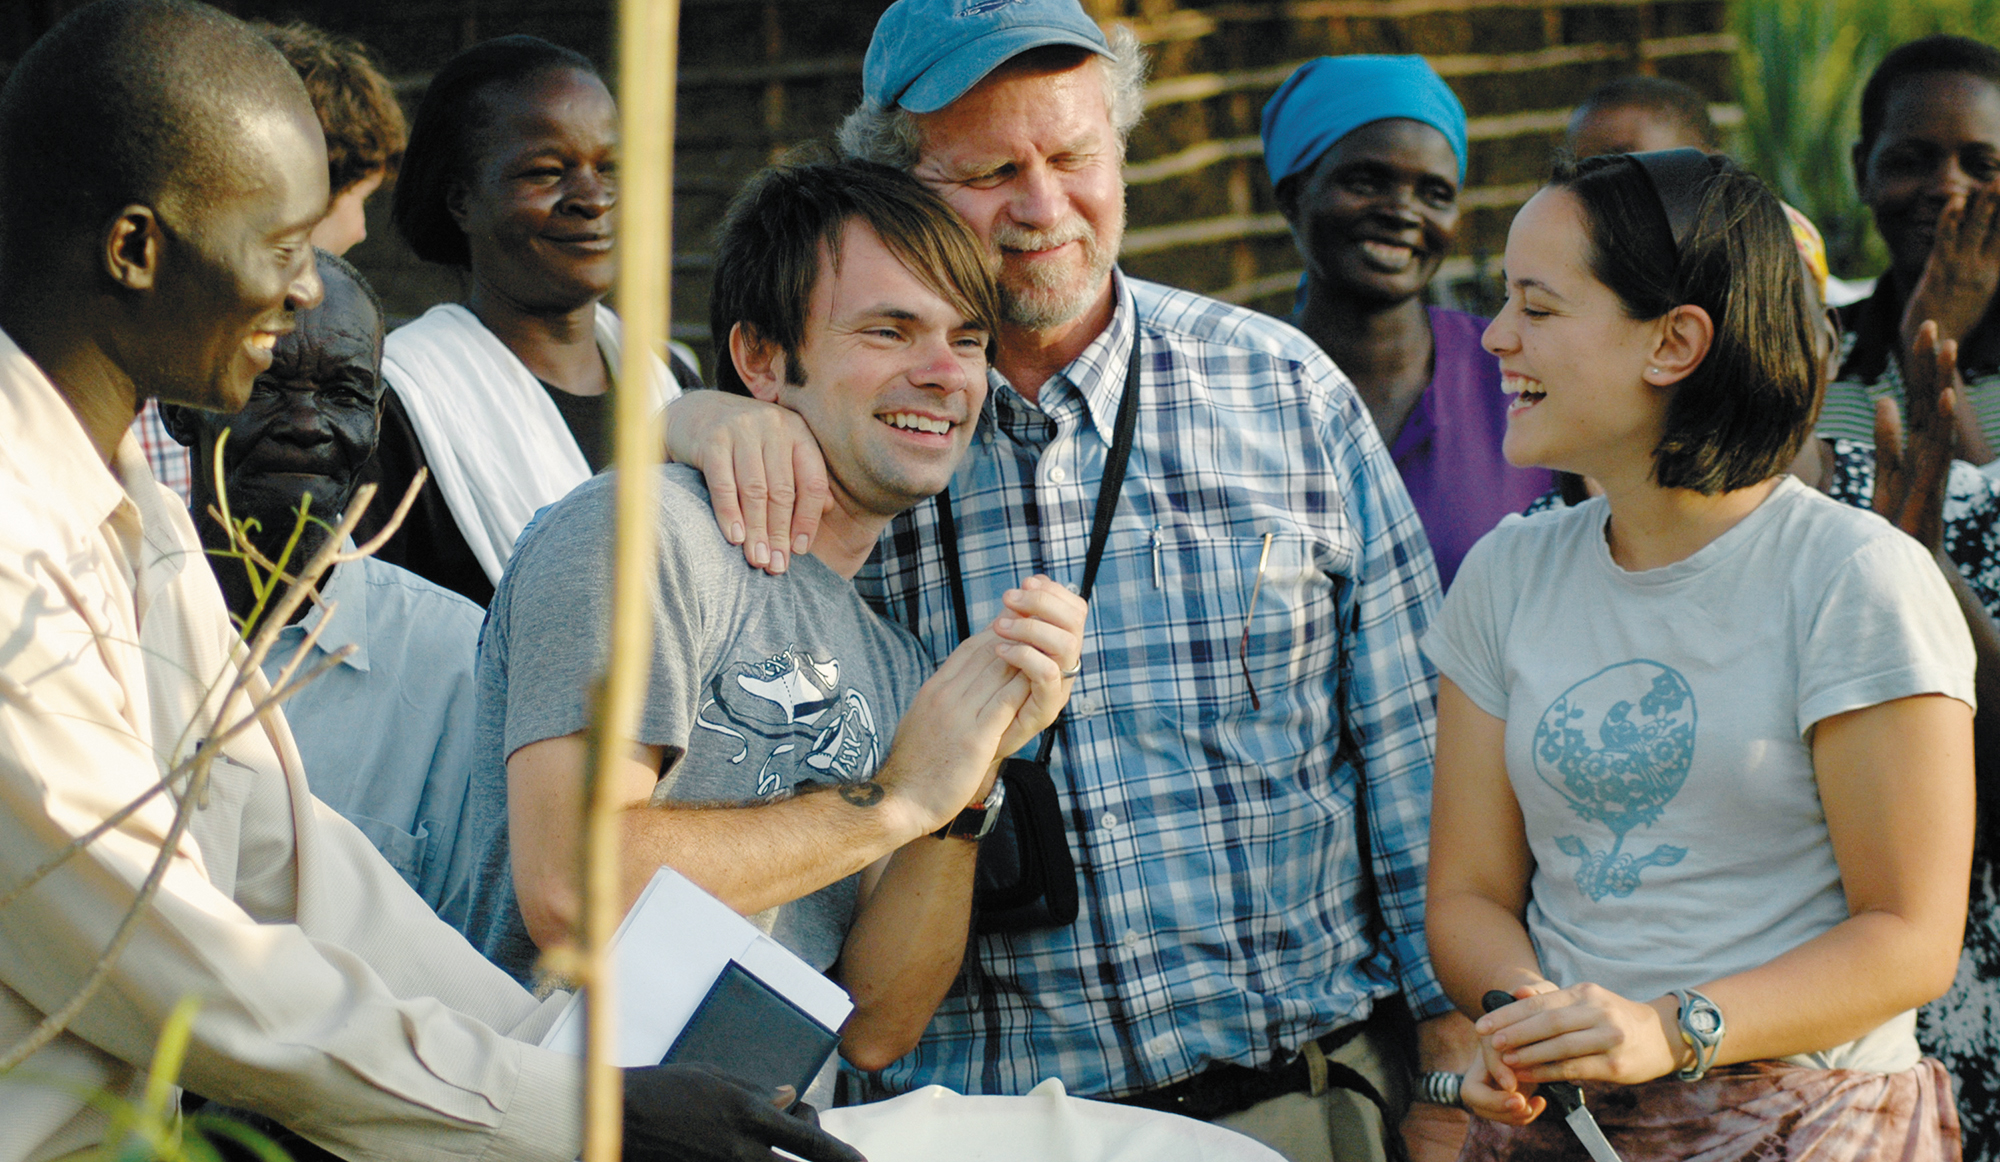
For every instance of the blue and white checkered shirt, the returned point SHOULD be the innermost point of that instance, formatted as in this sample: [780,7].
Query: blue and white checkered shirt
[1224,917]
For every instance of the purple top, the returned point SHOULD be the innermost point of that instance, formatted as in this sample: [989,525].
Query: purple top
[1449,448]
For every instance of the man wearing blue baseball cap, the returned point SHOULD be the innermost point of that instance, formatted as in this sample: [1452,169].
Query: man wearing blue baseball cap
[1242,780]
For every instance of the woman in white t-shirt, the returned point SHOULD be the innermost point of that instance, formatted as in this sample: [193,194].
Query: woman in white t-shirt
[1703,800]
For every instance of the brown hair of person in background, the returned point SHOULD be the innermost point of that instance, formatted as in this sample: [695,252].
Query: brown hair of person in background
[364,125]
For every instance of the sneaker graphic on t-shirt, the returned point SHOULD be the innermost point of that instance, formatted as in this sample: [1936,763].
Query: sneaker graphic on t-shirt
[817,729]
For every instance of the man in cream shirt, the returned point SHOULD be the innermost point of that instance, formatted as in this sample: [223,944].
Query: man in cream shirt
[160,172]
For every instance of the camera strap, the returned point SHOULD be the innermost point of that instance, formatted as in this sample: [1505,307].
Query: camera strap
[1100,525]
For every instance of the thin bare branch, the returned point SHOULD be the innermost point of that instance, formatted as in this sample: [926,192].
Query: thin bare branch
[320,668]
[82,841]
[395,520]
[307,642]
[195,768]
[52,1025]
[269,583]
[179,771]
[201,763]
[280,614]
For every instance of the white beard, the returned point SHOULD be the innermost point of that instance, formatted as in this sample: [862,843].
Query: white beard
[1046,296]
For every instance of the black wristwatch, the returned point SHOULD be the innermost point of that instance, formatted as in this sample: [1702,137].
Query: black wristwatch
[974,822]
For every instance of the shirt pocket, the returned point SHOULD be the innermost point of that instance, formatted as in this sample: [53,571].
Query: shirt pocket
[1223,624]
[405,852]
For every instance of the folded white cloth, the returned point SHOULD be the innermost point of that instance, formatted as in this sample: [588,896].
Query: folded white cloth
[497,446]
[1043,1125]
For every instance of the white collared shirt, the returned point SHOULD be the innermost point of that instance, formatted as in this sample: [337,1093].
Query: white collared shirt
[332,998]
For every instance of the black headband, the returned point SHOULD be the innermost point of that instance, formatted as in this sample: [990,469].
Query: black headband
[1677,177]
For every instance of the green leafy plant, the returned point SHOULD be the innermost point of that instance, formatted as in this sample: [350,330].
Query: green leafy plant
[151,1130]
[267,577]
[1800,67]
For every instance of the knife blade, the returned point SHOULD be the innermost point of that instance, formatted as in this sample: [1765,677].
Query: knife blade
[1567,1096]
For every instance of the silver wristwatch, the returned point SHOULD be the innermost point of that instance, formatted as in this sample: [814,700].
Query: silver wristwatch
[1702,1028]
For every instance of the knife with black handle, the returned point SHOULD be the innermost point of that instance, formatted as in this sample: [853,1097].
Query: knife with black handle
[1567,1097]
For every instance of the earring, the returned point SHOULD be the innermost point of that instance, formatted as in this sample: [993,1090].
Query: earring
[1652,371]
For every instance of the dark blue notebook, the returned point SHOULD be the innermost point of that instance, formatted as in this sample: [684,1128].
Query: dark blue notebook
[746,1028]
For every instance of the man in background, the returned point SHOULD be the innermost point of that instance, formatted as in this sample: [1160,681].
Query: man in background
[1639,115]
[364,125]
[386,734]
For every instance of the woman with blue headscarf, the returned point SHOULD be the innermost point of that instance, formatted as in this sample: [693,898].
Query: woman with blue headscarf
[1368,154]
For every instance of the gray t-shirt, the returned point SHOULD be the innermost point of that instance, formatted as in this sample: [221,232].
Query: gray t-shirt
[1659,729]
[759,685]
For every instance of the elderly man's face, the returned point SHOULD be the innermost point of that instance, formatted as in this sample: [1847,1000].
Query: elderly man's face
[312,418]
[1030,160]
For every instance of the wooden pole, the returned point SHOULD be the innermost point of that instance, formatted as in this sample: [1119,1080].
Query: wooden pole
[647,53]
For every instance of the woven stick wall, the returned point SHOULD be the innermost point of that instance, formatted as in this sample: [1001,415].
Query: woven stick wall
[760,76]
[763,75]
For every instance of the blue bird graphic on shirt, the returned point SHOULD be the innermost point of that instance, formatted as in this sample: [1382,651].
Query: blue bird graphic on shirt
[1618,746]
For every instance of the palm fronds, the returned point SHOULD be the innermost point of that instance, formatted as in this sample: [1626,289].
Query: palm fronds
[1800,67]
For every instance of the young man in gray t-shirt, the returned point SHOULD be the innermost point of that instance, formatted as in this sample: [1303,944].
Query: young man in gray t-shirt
[856,298]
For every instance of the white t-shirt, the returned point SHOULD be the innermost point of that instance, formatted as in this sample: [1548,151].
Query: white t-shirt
[1659,729]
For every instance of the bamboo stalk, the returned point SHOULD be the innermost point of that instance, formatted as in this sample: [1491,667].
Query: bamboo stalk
[647,52]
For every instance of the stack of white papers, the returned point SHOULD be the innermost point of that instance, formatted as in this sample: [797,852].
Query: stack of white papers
[667,954]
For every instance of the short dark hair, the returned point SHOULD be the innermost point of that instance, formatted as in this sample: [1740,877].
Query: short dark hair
[1679,103]
[1742,414]
[767,250]
[443,137]
[357,108]
[126,102]
[1928,55]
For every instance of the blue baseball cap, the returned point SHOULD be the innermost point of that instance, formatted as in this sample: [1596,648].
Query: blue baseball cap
[926,53]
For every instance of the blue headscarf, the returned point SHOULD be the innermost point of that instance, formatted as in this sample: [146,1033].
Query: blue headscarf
[1332,96]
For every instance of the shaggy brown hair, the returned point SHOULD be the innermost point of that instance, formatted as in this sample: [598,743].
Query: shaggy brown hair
[357,108]
[767,251]
[1740,417]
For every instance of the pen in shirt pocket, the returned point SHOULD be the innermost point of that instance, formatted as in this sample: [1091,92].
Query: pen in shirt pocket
[1156,556]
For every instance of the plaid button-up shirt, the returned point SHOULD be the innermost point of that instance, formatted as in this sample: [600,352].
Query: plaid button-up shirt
[1224,914]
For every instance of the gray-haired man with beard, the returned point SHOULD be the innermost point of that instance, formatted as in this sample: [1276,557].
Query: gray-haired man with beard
[1245,768]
